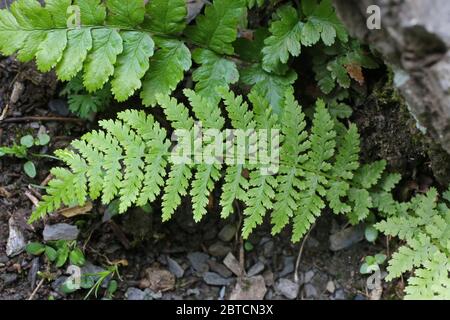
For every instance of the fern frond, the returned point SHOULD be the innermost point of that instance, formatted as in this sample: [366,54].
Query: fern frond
[167,16]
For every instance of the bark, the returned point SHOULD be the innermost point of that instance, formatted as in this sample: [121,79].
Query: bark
[414,39]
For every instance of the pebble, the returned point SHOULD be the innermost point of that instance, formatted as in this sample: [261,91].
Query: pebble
[288,266]
[4,259]
[213,279]
[60,231]
[218,249]
[232,263]
[256,269]
[175,268]
[199,261]
[310,291]
[227,233]
[345,238]
[253,288]
[59,107]
[287,288]
[91,269]
[331,287]
[8,278]
[268,248]
[220,269]
[308,276]
[339,295]
[32,274]
[16,240]
[135,294]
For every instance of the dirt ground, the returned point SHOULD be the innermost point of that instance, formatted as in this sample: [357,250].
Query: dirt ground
[189,256]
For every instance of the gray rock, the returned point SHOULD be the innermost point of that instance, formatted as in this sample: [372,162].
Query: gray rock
[331,287]
[232,263]
[220,269]
[268,248]
[310,291]
[135,294]
[8,278]
[90,270]
[339,295]
[287,288]
[308,276]
[57,284]
[218,249]
[345,238]
[175,268]
[16,240]
[59,107]
[4,259]
[60,231]
[32,274]
[199,261]
[193,292]
[227,233]
[256,269]
[359,297]
[213,279]
[288,266]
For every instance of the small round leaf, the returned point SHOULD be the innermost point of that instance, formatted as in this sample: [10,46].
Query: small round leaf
[30,169]
[35,248]
[27,141]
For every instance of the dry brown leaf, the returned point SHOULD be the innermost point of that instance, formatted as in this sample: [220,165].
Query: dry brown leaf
[76,211]
[355,72]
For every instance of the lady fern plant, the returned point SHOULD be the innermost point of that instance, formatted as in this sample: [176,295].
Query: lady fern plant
[129,159]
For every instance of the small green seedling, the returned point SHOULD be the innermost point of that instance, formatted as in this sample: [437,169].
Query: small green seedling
[58,252]
[372,263]
[21,151]
[371,234]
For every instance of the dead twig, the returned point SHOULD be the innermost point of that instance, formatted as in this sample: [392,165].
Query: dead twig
[42,118]
[300,253]
[36,290]
[32,198]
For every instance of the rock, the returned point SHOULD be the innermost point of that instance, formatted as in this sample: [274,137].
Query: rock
[232,263]
[57,284]
[256,269]
[213,279]
[158,279]
[193,292]
[308,276]
[227,233]
[59,107]
[60,231]
[253,288]
[8,278]
[16,240]
[32,274]
[339,295]
[220,269]
[310,291]
[4,259]
[331,287]
[199,261]
[345,238]
[268,278]
[288,266]
[90,271]
[135,294]
[287,288]
[414,38]
[175,268]
[359,297]
[268,249]
[218,249]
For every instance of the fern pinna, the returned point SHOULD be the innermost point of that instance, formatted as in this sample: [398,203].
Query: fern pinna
[129,157]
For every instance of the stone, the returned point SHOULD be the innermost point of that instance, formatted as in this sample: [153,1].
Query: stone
[331,287]
[288,266]
[227,233]
[253,288]
[59,107]
[339,295]
[268,249]
[268,278]
[90,271]
[346,238]
[4,259]
[287,288]
[60,231]
[310,291]
[218,249]
[175,268]
[232,263]
[16,240]
[8,278]
[199,261]
[219,268]
[158,279]
[32,274]
[213,279]
[308,276]
[256,269]
[134,294]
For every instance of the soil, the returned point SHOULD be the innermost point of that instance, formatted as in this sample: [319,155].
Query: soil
[142,242]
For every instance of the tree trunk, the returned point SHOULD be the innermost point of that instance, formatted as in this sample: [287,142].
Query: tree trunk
[414,39]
